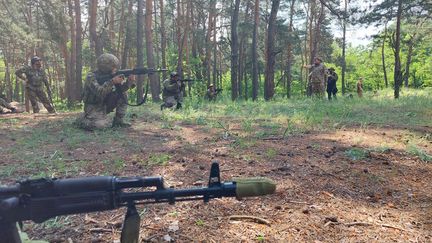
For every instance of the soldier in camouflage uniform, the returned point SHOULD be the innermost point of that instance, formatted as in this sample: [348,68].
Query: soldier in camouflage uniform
[5,104]
[317,77]
[35,78]
[172,92]
[103,96]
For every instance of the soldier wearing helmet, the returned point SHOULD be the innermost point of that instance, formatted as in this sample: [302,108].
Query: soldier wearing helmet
[35,78]
[172,92]
[101,97]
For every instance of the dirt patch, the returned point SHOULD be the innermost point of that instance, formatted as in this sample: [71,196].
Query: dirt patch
[351,184]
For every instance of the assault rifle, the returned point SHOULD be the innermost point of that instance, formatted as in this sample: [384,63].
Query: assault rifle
[111,100]
[128,72]
[41,199]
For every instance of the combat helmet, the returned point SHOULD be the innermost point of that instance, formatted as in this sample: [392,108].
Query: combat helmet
[173,74]
[34,59]
[106,62]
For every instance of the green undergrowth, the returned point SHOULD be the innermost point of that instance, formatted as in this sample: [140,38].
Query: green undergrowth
[282,117]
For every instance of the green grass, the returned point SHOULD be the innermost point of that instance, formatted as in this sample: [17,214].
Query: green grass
[283,116]
[356,153]
[416,151]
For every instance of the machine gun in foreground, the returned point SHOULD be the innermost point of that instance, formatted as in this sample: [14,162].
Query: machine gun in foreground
[42,199]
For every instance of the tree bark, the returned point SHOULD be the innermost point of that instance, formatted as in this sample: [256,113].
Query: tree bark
[383,57]
[71,70]
[271,53]
[290,58]
[95,41]
[255,83]
[234,51]
[344,45]
[140,49]
[128,38]
[163,37]
[154,78]
[397,68]
[78,42]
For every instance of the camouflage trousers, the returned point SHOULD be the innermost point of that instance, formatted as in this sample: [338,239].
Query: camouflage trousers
[317,89]
[36,94]
[171,101]
[5,104]
[95,116]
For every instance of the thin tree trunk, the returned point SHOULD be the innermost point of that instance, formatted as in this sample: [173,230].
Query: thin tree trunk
[71,71]
[290,58]
[397,68]
[121,29]
[383,56]
[78,42]
[95,41]
[128,38]
[234,51]
[140,49]
[344,45]
[255,52]
[163,37]
[154,78]
[408,61]
[271,53]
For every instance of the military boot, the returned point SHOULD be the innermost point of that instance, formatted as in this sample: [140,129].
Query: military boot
[118,122]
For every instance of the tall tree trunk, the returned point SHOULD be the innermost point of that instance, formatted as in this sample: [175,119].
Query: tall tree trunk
[344,44]
[140,49]
[154,78]
[95,41]
[208,41]
[234,51]
[397,68]
[71,71]
[255,52]
[163,37]
[128,38]
[290,58]
[180,25]
[271,53]
[78,42]
[121,29]
[383,56]
[408,61]
[215,51]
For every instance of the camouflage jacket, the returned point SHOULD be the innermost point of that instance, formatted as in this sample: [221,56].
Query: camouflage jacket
[35,77]
[170,89]
[95,93]
[318,74]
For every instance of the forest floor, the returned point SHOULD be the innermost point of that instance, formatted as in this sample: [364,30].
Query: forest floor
[346,182]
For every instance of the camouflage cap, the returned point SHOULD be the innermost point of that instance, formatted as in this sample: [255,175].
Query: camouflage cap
[107,62]
[34,59]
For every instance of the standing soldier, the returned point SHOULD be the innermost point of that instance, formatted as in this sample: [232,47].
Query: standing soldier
[360,87]
[172,92]
[35,78]
[103,93]
[317,77]
[331,83]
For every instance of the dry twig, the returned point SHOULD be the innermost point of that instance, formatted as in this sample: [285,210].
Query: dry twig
[253,218]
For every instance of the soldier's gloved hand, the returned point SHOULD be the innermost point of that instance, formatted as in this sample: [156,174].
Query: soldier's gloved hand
[118,79]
